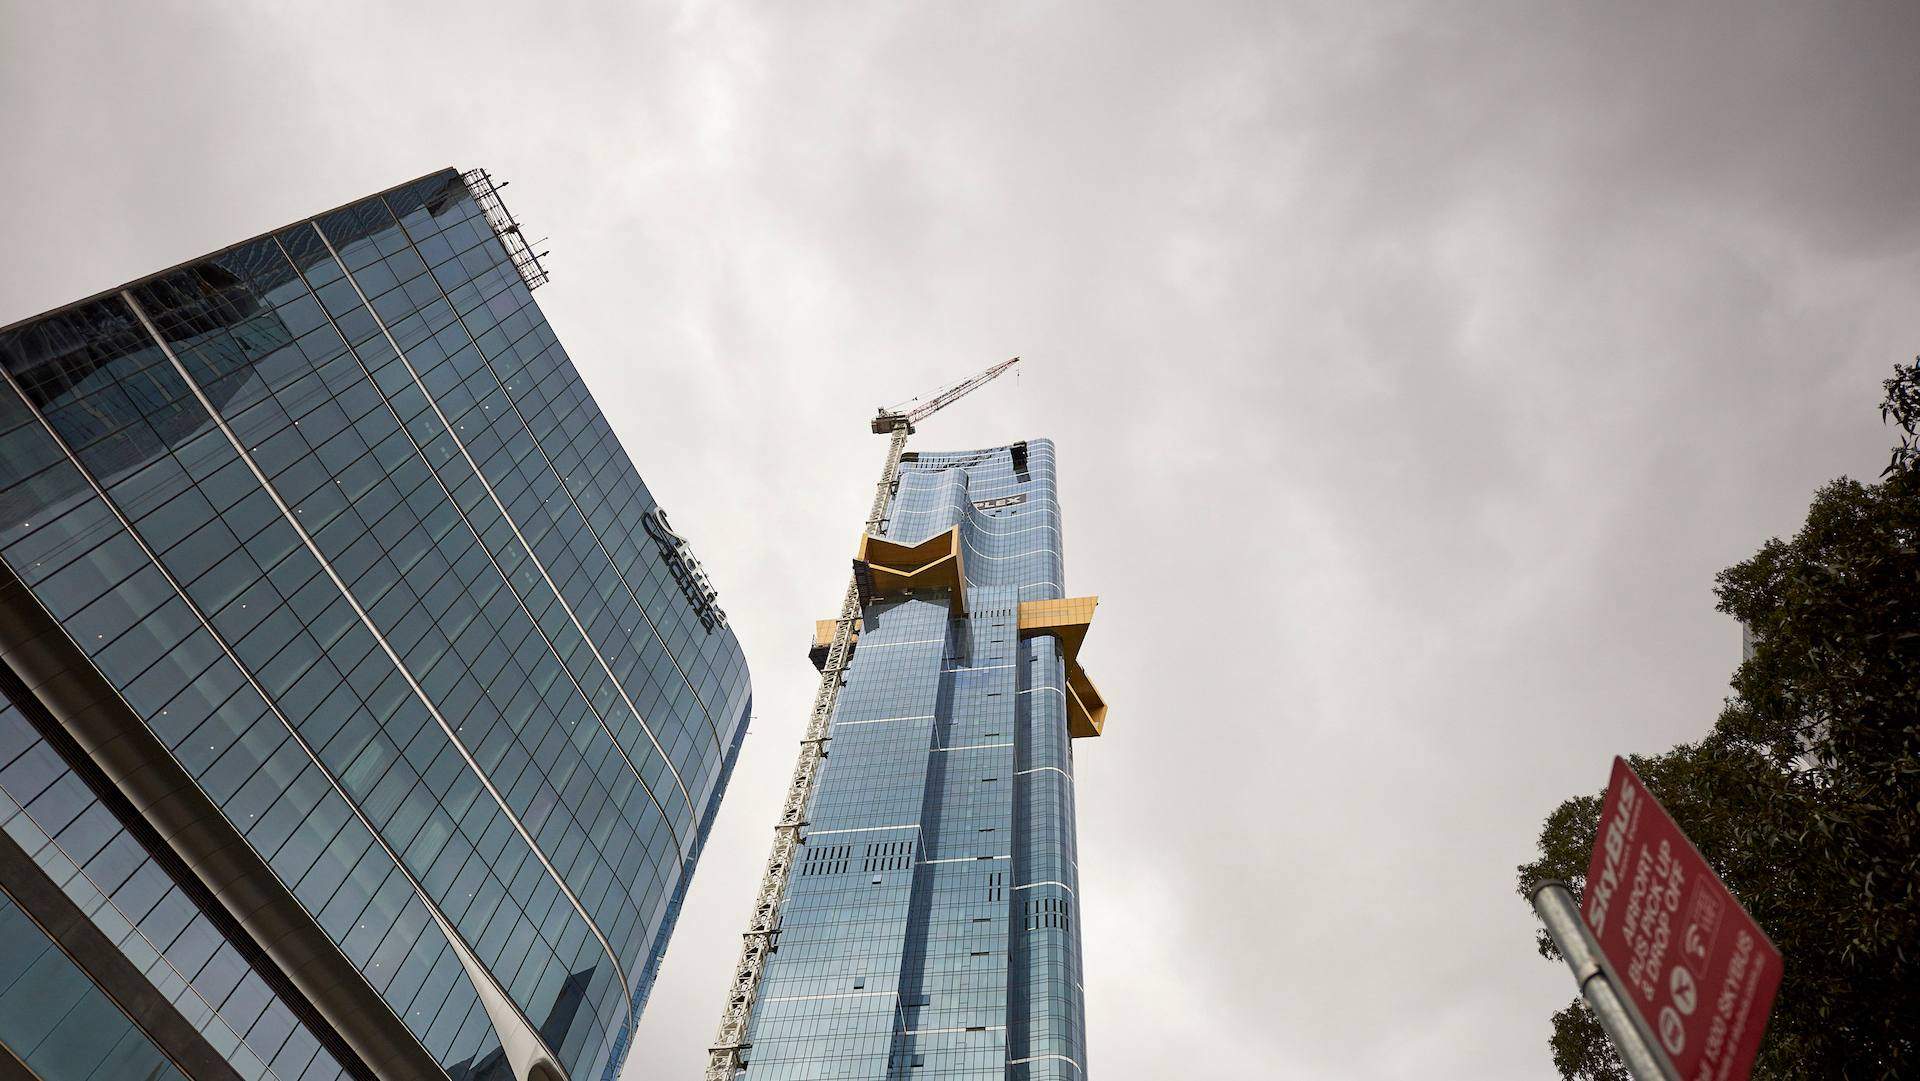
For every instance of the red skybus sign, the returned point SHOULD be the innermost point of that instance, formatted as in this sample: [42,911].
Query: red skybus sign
[1694,965]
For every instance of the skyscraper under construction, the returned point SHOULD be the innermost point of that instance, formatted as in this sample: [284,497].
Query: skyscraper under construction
[920,917]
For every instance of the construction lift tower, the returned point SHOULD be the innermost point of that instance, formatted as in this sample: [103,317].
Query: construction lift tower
[725,1059]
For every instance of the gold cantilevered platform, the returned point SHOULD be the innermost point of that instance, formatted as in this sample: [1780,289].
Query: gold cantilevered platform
[884,568]
[1068,620]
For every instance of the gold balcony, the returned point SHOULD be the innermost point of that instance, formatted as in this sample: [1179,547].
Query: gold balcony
[885,568]
[1067,620]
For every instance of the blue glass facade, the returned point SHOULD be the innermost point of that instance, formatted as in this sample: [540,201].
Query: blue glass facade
[929,926]
[62,1023]
[48,811]
[332,517]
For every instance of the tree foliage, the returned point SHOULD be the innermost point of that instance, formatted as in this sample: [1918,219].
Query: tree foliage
[1805,797]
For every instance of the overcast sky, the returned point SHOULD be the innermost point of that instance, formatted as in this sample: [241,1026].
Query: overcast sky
[1412,373]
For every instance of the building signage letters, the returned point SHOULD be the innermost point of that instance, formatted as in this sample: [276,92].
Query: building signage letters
[1003,501]
[686,570]
[1693,964]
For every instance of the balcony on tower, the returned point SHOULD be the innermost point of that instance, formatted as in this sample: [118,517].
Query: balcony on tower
[1067,620]
[884,568]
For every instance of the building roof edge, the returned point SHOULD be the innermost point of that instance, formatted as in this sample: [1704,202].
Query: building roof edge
[184,263]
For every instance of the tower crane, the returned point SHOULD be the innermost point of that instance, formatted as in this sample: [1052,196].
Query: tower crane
[886,420]
[726,1058]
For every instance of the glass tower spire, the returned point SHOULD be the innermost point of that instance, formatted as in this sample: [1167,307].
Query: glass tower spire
[929,928]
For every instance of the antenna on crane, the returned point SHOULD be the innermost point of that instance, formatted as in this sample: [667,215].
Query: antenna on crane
[727,1057]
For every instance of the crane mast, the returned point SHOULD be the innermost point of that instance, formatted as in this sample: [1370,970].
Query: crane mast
[726,1057]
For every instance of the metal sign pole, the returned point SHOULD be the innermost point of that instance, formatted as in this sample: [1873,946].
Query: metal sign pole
[1557,908]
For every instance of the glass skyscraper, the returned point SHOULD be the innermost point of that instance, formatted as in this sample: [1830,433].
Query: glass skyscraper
[361,715]
[930,923]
